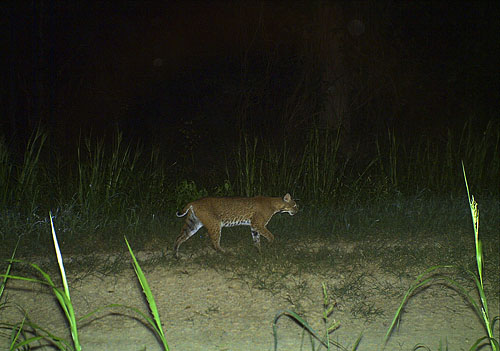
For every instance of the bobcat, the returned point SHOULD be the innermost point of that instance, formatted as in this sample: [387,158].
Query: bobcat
[215,213]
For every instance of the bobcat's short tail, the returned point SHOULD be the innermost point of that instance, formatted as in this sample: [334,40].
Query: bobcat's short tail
[186,210]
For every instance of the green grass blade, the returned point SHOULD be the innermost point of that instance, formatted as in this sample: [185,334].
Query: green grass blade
[483,313]
[58,342]
[64,297]
[4,281]
[33,280]
[59,258]
[133,309]
[25,343]
[18,333]
[417,283]
[356,343]
[478,343]
[475,223]
[149,296]
[305,325]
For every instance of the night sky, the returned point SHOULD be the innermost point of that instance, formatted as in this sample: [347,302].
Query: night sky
[193,73]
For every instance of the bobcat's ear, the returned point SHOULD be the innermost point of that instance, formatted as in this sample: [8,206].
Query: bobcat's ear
[287,197]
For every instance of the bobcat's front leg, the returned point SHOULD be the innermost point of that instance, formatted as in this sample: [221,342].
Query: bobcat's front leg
[255,237]
[259,229]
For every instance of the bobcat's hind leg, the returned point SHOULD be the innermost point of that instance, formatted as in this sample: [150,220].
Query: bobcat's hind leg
[192,225]
[215,233]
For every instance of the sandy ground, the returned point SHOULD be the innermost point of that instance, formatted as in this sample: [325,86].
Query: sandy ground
[204,309]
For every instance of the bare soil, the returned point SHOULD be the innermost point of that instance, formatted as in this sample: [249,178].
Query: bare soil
[207,309]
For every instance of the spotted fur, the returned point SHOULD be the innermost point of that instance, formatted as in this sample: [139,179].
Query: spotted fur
[216,213]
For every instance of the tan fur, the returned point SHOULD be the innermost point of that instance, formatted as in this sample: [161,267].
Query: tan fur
[214,213]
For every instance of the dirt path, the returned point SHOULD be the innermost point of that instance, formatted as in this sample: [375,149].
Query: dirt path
[203,309]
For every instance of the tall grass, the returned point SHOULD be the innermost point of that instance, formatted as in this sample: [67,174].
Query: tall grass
[312,170]
[317,170]
[20,184]
[324,171]
[105,189]
[121,188]
[27,189]
[426,163]
[249,167]
[105,177]
[5,174]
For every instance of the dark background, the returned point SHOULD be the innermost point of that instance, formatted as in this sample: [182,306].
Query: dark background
[192,76]
[149,66]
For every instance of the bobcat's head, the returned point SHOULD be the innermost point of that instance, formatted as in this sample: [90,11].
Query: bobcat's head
[289,206]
